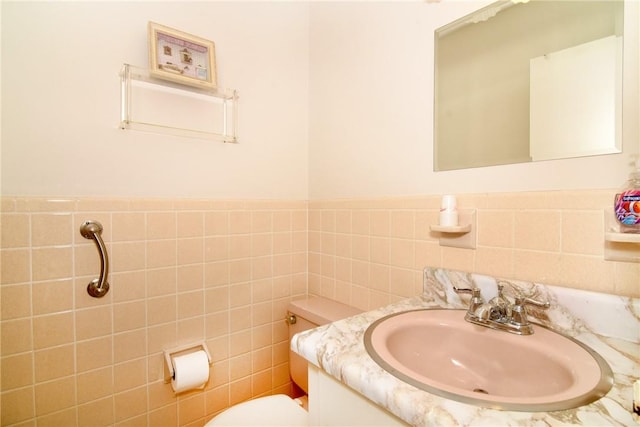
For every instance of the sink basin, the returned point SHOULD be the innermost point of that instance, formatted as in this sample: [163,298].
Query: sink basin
[438,351]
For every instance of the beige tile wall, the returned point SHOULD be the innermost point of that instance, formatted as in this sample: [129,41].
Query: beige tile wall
[224,272]
[372,252]
[181,271]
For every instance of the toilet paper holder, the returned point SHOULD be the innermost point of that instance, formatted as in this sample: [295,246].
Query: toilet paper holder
[169,354]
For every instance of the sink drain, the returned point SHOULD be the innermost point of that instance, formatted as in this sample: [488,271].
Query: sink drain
[480,390]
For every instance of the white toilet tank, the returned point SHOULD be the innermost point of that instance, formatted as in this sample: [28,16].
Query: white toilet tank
[310,313]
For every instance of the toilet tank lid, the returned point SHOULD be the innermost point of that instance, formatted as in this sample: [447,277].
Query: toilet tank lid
[321,311]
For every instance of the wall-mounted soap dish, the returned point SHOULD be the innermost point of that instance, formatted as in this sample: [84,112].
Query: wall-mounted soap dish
[619,246]
[456,229]
[458,236]
[622,237]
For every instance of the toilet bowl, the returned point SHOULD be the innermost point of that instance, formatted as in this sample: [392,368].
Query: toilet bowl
[280,409]
[276,410]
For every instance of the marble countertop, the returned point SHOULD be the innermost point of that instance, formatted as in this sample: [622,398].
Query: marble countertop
[338,349]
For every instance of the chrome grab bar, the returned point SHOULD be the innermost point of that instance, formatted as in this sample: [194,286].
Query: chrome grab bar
[92,230]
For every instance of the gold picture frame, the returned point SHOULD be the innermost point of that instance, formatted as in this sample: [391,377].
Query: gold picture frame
[181,57]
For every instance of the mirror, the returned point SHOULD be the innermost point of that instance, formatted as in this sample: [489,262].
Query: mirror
[521,81]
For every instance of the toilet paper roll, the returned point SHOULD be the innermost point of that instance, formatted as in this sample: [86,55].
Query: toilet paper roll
[190,371]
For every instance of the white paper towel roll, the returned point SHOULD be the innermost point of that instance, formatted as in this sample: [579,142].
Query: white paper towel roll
[191,371]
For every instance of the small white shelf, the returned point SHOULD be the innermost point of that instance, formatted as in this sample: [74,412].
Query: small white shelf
[619,246]
[455,229]
[458,236]
[622,237]
[158,106]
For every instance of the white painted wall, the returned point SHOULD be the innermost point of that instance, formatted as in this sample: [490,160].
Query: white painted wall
[371,104]
[60,101]
[336,101]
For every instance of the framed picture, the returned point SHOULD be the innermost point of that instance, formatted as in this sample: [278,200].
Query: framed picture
[181,57]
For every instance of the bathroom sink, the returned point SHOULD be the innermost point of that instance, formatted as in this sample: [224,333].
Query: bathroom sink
[438,351]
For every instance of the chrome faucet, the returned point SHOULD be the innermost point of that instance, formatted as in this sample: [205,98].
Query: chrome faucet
[499,313]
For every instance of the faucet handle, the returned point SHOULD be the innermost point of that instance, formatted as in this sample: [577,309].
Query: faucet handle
[476,298]
[519,310]
[475,292]
[522,301]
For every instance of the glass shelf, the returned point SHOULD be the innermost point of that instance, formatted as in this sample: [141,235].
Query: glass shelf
[153,105]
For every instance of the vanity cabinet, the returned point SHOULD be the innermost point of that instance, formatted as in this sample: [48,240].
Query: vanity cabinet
[331,403]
